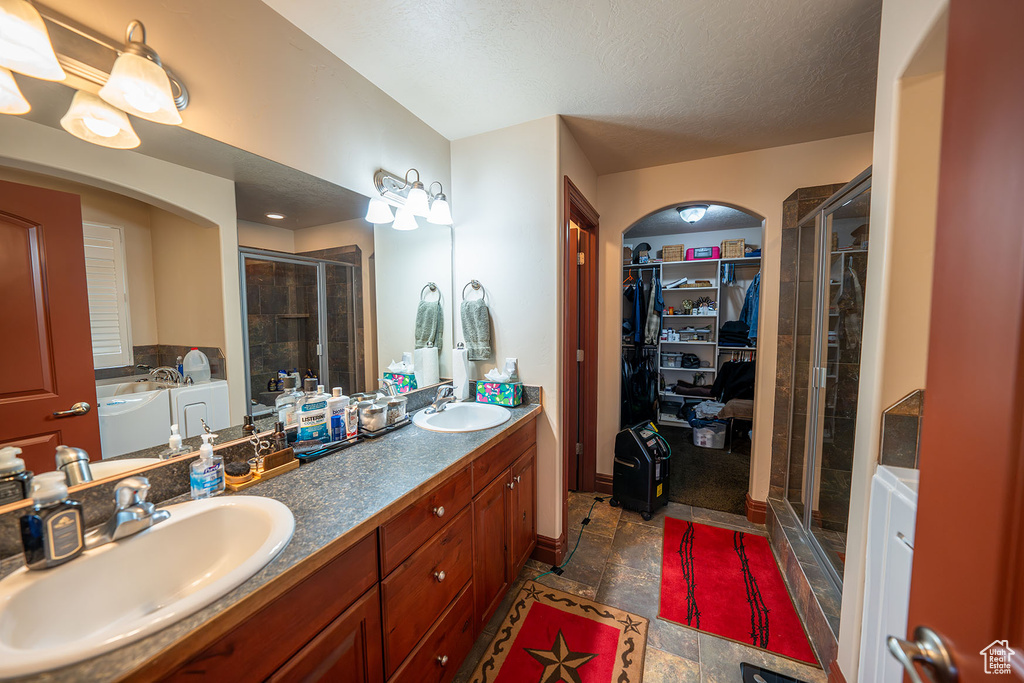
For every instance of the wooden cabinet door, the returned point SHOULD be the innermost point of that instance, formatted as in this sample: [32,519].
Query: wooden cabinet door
[491,576]
[523,519]
[347,651]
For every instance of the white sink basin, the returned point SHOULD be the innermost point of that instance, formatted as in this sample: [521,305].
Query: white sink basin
[462,417]
[124,591]
[115,468]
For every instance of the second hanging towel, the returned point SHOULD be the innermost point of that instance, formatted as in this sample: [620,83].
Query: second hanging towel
[476,329]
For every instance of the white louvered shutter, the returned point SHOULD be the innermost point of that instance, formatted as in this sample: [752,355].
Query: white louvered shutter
[108,296]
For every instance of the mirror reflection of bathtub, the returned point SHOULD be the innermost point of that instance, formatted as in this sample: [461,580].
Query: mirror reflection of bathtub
[138,414]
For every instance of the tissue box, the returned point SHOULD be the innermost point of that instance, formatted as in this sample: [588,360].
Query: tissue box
[404,382]
[501,393]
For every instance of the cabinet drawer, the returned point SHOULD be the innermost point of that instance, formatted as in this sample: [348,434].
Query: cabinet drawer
[439,655]
[258,646]
[502,455]
[400,537]
[416,593]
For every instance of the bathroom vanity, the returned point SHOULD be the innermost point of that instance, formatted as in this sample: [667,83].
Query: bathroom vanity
[403,549]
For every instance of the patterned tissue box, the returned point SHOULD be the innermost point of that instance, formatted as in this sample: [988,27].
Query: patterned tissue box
[501,393]
[404,382]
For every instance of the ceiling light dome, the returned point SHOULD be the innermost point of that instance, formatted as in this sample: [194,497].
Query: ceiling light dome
[405,220]
[93,120]
[379,212]
[138,83]
[11,99]
[693,213]
[24,42]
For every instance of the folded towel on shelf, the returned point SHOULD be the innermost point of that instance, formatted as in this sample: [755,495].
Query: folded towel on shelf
[476,329]
[429,324]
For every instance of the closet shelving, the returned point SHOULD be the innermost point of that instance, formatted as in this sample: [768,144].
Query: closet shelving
[704,269]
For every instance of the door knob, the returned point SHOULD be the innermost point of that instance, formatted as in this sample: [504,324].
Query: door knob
[927,648]
[80,408]
[439,511]
[442,660]
[511,485]
[440,576]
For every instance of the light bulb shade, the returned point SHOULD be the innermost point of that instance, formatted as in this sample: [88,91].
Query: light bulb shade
[440,212]
[11,99]
[141,88]
[417,202]
[379,212]
[24,42]
[95,121]
[692,214]
[405,220]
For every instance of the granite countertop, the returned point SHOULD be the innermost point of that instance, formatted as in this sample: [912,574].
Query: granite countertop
[330,498]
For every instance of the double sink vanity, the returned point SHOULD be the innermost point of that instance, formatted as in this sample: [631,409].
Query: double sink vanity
[382,562]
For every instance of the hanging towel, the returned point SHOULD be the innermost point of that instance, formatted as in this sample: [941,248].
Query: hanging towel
[476,329]
[429,324]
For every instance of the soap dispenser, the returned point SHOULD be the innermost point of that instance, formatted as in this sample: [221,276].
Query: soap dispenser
[174,445]
[53,532]
[15,480]
[207,477]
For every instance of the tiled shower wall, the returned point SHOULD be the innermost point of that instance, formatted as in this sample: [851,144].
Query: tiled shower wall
[156,355]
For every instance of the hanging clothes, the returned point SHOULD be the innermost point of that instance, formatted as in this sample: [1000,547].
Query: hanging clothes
[751,304]
[851,310]
[656,304]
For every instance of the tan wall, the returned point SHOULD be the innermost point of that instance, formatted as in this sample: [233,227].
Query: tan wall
[757,181]
[260,236]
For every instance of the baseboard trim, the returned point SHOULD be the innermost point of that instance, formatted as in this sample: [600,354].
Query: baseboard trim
[835,674]
[757,510]
[550,550]
[603,483]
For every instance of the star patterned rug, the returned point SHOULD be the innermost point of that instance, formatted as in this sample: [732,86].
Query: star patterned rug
[550,636]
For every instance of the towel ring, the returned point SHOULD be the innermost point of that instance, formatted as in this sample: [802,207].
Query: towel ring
[475,284]
[433,288]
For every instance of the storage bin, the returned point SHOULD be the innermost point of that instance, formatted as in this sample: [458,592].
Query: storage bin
[671,360]
[627,255]
[673,252]
[709,434]
[733,248]
[701,253]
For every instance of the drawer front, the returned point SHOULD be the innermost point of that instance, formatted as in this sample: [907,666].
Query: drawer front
[400,537]
[416,593]
[502,455]
[293,620]
[439,655]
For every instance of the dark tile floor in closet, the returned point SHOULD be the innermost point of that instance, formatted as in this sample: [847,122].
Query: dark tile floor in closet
[707,477]
[618,563]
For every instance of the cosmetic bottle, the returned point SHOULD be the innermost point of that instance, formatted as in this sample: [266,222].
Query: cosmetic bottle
[286,405]
[351,420]
[54,531]
[174,445]
[15,480]
[207,478]
[336,405]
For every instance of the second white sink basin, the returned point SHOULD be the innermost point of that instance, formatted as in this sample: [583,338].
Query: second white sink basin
[462,417]
[121,592]
[103,469]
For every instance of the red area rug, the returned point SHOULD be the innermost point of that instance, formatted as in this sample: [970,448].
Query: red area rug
[550,636]
[727,583]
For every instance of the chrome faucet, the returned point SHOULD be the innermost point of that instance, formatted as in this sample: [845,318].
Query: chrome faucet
[166,374]
[133,513]
[74,463]
[390,387]
[445,395]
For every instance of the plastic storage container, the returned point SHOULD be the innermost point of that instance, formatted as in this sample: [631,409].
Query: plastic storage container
[709,434]
[197,366]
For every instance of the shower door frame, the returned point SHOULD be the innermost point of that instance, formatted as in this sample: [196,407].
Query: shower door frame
[321,296]
[819,361]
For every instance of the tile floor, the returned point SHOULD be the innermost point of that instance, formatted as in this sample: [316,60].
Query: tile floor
[618,563]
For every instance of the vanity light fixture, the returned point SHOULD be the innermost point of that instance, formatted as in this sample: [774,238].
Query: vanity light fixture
[25,44]
[138,83]
[11,99]
[405,219]
[440,212]
[693,213]
[93,120]
[379,211]
[410,198]
[275,216]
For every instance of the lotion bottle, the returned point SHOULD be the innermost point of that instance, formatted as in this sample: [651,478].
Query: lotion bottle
[54,531]
[15,480]
[174,445]
[207,477]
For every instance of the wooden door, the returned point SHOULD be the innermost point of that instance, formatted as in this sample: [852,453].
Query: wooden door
[491,578]
[347,651]
[46,346]
[523,518]
[968,575]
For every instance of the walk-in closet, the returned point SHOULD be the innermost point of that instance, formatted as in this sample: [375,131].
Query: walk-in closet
[690,308]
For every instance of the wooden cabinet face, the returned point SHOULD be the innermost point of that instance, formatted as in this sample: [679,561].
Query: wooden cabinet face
[524,509]
[490,555]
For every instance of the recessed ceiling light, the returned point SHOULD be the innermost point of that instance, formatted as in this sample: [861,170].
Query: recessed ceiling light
[274,216]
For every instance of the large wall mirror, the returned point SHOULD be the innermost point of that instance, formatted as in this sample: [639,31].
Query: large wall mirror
[156,271]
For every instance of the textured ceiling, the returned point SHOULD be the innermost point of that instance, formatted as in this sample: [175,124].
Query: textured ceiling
[639,83]
[667,222]
[261,185]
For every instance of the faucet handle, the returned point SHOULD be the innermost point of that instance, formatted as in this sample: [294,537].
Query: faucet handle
[445,391]
[131,491]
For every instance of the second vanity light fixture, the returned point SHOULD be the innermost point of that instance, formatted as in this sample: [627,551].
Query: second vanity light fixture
[410,198]
[138,83]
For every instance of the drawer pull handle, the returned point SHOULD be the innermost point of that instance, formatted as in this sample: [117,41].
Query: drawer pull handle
[439,576]
[518,478]
[439,511]
[442,660]
[511,485]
